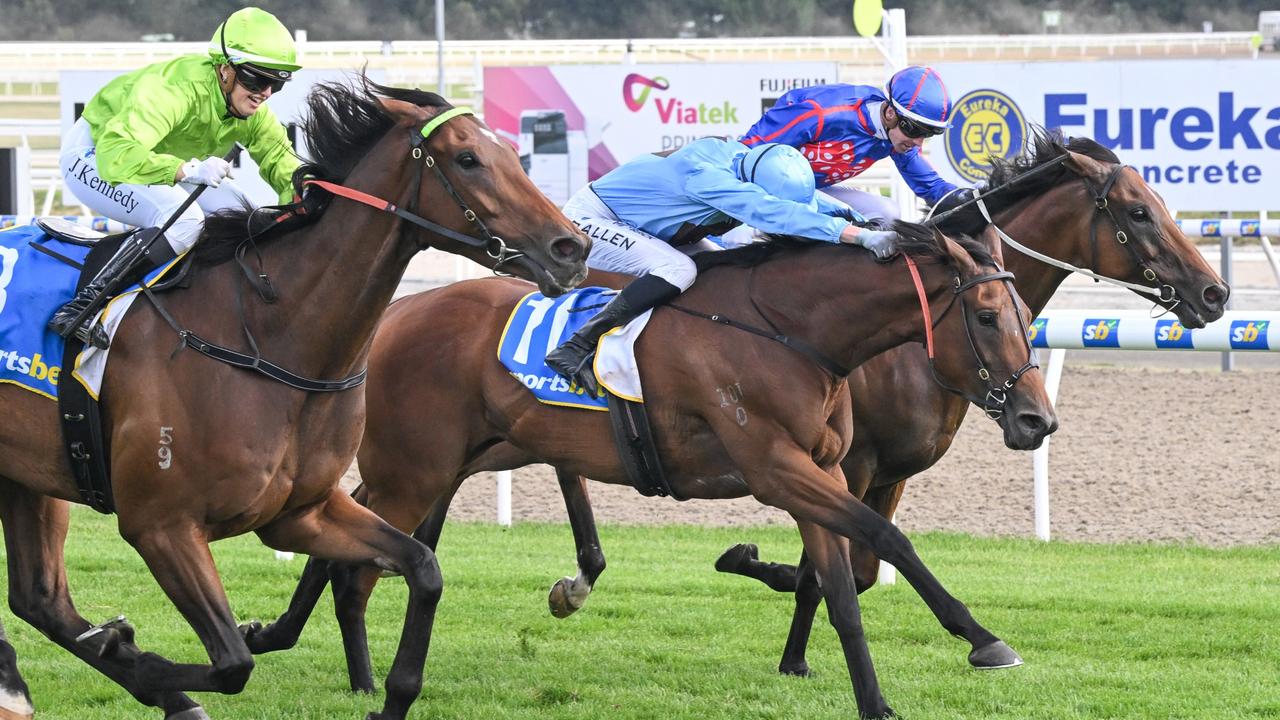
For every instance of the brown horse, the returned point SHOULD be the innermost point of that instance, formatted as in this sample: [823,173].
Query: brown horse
[1090,211]
[720,400]
[249,454]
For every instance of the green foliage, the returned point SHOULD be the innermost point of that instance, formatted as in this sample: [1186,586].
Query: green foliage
[1108,631]
[102,20]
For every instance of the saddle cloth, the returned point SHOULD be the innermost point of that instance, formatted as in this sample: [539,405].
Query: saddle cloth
[539,324]
[33,286]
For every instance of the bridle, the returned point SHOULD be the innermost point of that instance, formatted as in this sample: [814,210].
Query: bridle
[493,246]
[1162,292]
[997,393]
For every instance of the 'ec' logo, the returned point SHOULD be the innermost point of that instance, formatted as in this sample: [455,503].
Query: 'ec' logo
[987,125]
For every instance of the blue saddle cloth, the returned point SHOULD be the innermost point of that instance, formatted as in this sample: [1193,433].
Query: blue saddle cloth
[33,286]
[536,327]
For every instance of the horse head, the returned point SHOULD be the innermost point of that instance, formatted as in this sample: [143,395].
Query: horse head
[981,334]
[456,170]
[1136,239]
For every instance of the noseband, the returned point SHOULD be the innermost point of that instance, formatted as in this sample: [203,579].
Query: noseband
[997,393]
[493,246]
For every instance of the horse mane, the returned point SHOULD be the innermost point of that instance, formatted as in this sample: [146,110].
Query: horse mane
[914,239]
[1044,146]
[342,123]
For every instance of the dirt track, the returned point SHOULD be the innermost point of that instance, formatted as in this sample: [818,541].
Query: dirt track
[1142,455]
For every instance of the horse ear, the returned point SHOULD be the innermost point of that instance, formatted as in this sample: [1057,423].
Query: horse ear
[990,239]
[1084,165]
[404,110]
[960,257]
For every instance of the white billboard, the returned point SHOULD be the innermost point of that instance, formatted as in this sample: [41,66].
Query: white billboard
[77,87]
[1203,133]
[574,123]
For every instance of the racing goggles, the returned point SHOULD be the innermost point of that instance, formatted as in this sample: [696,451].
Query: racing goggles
[917,130]
[255,82]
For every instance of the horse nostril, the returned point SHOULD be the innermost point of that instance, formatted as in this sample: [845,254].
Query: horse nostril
[568,249]
[1215,296]
[1034,424]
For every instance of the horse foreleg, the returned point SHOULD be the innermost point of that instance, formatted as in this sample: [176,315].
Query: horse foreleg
[35,529]
[341,530]
[802,489]
[283,633]
[830,559]
[569,593]
[883,500]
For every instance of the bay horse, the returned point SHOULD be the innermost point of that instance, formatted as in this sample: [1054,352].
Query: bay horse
[1090,211]
[246,454]
[733,413]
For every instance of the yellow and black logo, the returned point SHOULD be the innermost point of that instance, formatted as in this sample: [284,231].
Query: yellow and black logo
[987,125]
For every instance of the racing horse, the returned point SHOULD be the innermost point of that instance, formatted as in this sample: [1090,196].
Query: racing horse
[240,452]
[735,413]
[1068,201]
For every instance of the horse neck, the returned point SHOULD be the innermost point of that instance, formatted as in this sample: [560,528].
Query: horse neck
[354,257]
[1049,224]
[850,308]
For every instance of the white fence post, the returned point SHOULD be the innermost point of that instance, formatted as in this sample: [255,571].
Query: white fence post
[1040,458]
[888,574]
[504,498]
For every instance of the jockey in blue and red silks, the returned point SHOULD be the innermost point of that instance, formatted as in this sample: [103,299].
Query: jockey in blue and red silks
[844,129]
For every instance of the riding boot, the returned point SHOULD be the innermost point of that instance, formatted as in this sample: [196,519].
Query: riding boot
[132,256]
[572,360]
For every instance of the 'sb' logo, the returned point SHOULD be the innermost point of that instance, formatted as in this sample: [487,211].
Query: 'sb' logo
[1036,333]
[1171,334]
[1210,228]
[1249,334]
[1250,228]
[987,125]
[1100,333]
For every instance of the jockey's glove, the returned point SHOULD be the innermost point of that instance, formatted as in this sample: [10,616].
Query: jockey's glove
[209,171]
[883,243]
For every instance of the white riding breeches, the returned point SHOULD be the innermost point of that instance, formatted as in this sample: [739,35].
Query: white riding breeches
[619,247]
[140,205]
[872,206]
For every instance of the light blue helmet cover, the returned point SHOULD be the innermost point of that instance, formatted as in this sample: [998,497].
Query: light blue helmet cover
[781,170]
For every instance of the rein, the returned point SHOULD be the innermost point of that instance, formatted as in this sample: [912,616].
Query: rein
[993,403]
[493,246]
[1162,292]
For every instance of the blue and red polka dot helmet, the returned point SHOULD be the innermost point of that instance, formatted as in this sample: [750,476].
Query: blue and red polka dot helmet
[917,92]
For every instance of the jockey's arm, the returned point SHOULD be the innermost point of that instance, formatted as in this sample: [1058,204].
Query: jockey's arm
[124,143]
[749,203]
[269,147]
[921,176]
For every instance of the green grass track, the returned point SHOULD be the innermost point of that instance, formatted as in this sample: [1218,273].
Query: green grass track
[1107,631]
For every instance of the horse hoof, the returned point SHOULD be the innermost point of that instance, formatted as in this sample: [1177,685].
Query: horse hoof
[735,557]
[559,599]
[19,707]
[195,713]
[995,656]
[11,715]
[800,669]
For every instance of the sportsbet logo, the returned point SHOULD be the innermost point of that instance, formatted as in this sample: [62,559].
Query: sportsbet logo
[1249,334]
[987,125]
[34,366]
[1036,333]
[1171,334]
[1100,333]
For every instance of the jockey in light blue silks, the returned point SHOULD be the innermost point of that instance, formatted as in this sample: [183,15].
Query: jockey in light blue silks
[844,129]
[648,216]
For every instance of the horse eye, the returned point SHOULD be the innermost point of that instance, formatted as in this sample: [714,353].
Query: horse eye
[987,317]
[467,160]
[1140,214]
